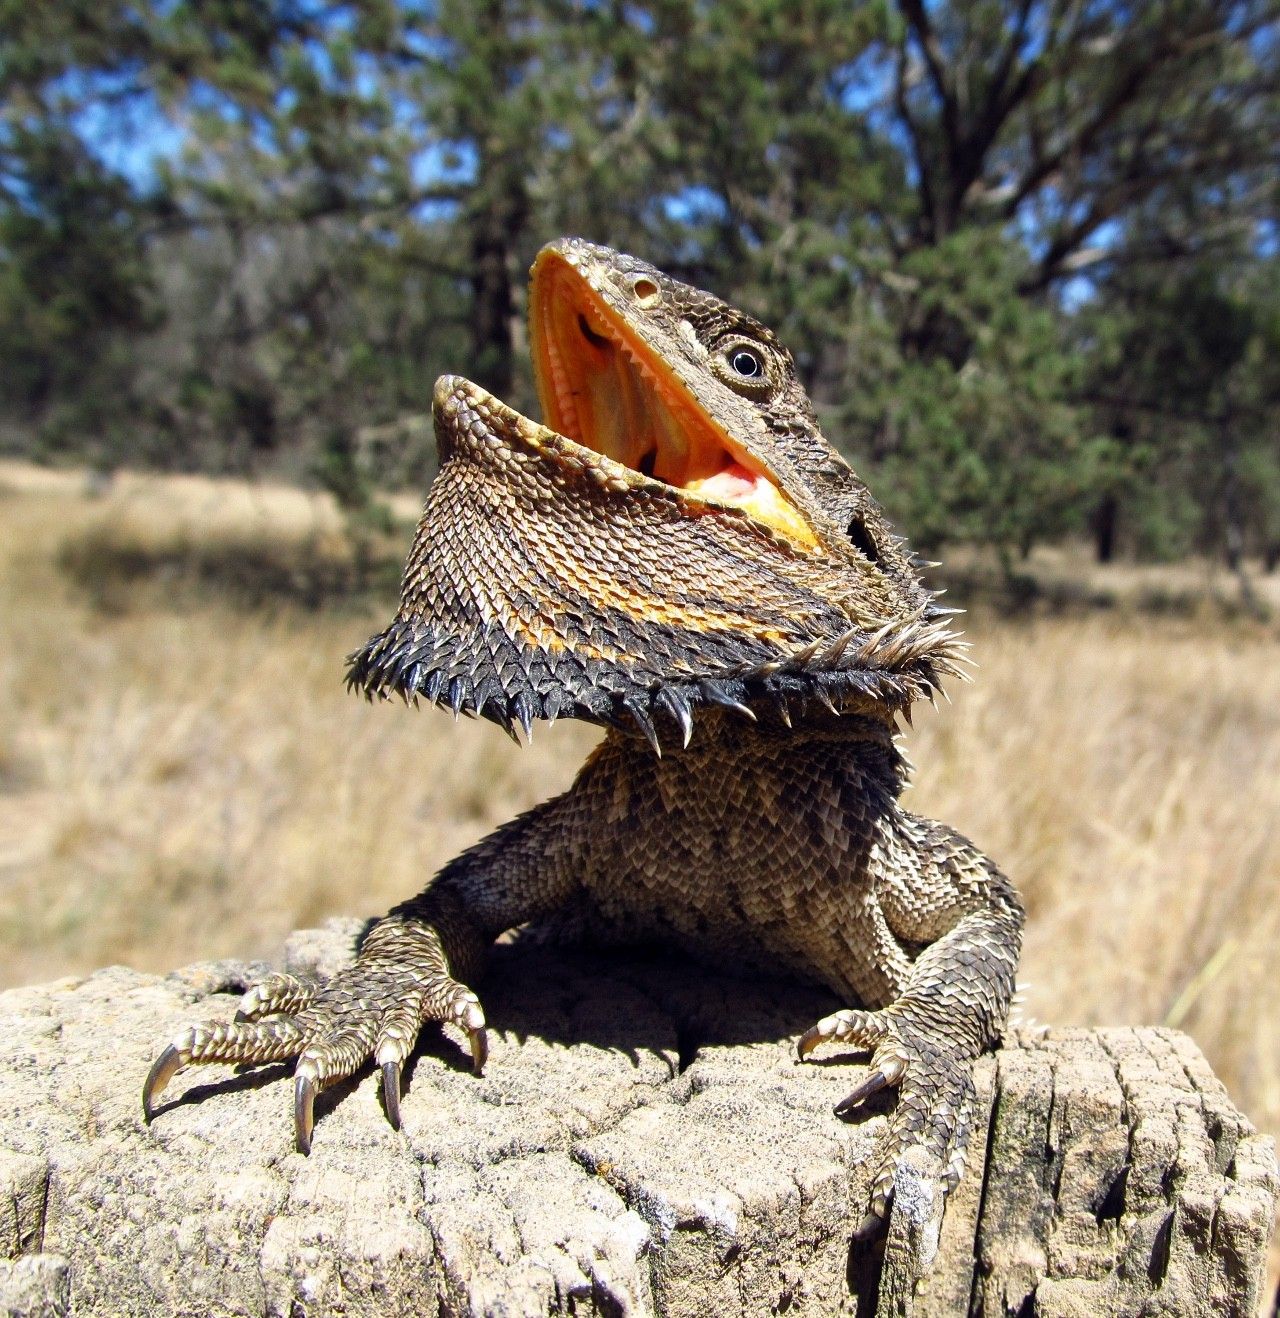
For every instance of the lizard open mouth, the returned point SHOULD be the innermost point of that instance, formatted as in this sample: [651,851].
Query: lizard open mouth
[601,386]
[636,557]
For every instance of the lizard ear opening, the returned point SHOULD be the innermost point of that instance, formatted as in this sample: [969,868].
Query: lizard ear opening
[862,540]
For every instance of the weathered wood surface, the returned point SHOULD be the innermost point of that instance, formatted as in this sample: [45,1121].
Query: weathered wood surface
[642,1143]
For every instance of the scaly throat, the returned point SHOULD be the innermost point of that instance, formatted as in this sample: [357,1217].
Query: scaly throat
[601,386]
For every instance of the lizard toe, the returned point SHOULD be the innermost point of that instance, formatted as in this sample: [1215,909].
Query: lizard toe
[371,1010]
[863,1029]
[933,1118]
[934,1109]
[250,1042]
[279,994]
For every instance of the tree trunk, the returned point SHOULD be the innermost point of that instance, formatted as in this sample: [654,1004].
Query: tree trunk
[1117,1178]
[643,1142]
[1104,522]
[495,227]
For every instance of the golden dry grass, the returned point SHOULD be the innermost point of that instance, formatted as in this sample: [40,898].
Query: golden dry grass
[183,777]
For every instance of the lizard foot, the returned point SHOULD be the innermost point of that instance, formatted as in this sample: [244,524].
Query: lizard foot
[936,1094]
[372,1009]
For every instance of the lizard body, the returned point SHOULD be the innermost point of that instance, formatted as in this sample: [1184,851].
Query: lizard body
[679,555]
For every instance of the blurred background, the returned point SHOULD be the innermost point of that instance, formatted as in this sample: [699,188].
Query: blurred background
[1025,252]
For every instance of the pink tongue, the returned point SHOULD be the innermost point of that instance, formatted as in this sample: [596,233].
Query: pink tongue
[734,483]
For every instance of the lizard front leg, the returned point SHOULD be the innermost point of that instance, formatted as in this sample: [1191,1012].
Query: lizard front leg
[414,966]
[933,887]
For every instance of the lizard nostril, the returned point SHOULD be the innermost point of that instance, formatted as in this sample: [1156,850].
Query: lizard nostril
[647,293]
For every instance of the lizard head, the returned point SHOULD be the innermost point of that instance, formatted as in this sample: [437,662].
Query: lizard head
[677,534]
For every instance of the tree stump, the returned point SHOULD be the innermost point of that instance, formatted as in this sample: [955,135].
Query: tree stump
[642,1142]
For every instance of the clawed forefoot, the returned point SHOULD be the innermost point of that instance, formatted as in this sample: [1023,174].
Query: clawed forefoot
[374,1009]
[936,1095]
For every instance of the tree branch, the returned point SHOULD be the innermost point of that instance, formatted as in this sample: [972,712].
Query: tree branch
[1079,143]
[919,153]
[282,217]
[935,62]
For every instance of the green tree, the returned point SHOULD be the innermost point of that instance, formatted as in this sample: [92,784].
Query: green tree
[1190,381]
[967,217]
[921,197]
[74,277]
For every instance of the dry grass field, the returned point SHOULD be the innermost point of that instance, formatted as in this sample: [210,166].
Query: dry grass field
[183,776]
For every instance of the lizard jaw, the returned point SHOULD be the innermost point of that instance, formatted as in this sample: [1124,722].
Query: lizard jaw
[550,579]
[604,388]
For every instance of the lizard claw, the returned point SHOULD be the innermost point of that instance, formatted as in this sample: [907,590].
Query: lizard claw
[220,1041]
[934,1112]
[165,1067]
[391,1092]
[809,1040]
[479,1051]
[371,1010]
[304,1108]
[873,1084]
[479,1041]
[871,1224]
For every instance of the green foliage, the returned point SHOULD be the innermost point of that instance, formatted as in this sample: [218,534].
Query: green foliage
[76,289]
[1189,383]
[1024,250]
[965,411]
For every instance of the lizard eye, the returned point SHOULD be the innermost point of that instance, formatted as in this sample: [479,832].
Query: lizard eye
[744,366]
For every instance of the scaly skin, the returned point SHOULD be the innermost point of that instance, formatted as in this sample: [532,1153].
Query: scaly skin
[679,555]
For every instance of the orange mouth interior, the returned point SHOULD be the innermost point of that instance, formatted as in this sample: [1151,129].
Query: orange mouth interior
[602,387]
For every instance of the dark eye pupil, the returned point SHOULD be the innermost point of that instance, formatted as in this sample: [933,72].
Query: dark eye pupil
[746,363]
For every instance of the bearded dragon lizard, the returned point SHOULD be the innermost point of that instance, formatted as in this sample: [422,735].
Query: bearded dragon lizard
[680,555]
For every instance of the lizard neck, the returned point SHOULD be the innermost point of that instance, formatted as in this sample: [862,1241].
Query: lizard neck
[727,743]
